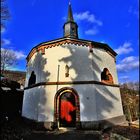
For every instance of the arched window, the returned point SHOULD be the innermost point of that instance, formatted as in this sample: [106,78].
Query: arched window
[106,76]
[32,79]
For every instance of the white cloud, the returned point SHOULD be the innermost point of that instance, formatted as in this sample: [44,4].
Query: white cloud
[15,68]
[91,31]
[2,30]
[128,63]
[18,54]
[103,41]
[125,48]
[129,59]
[6,42]
[88,17]
[133,11]
[124,77]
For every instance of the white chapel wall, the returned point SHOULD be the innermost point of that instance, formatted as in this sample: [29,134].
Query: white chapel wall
[38,102]
[97,102]
[84,66]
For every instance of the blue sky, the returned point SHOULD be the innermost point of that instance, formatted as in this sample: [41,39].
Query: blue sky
[114,22]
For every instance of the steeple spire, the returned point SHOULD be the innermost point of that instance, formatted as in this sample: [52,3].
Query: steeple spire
[70,15]
[70,27]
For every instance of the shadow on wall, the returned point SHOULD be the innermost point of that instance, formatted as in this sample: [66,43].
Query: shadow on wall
[85,94]
[35,99]
[38,67]
[79,65]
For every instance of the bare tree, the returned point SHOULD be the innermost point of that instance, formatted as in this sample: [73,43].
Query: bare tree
[8,59]
[130,103]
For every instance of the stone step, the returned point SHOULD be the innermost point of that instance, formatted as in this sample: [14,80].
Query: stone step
[63,134]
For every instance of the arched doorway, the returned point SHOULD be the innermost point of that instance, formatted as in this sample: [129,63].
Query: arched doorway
[67,109]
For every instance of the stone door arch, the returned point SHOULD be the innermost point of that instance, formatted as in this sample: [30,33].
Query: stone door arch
[60,95]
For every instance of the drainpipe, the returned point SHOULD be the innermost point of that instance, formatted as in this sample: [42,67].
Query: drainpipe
[58,69]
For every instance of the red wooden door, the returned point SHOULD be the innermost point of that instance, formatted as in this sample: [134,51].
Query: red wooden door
[67,110]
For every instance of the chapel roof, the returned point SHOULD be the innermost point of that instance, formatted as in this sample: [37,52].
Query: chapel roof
[70,39]
[66,40]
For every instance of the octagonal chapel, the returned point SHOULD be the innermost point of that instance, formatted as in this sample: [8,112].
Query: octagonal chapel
[72,82]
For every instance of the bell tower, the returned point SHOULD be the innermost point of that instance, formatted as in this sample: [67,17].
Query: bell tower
[70,27]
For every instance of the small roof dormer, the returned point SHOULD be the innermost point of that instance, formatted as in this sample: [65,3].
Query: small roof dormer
[70,27]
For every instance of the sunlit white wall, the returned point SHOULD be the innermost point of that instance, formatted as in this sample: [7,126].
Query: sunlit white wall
[84,66]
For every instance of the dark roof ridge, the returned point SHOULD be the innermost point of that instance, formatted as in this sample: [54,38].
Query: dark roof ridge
[94,43]
[64,38]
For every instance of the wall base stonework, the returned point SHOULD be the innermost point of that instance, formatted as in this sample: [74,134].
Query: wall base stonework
[40,125]
[97,125]
[49,125]
[85,125]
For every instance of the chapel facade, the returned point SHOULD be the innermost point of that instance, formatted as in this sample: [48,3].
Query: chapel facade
[72,82]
